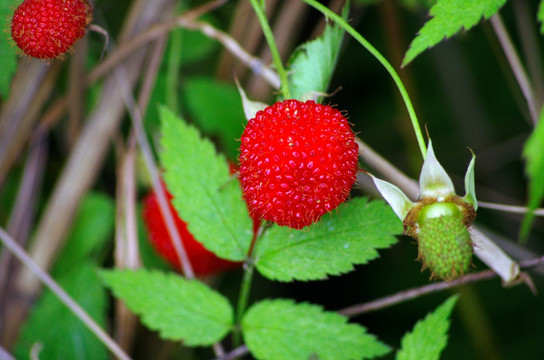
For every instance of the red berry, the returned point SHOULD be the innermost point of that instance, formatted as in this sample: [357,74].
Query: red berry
[298,161]
[46,29]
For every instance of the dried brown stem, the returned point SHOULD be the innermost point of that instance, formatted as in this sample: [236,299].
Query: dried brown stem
[409,294]
[62,295]
[86,159]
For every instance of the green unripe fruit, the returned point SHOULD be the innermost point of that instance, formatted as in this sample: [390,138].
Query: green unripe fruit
[444,243]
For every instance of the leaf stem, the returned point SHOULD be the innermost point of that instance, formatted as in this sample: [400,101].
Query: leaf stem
[245,287]
[371,49]
[258,7]
[243,298]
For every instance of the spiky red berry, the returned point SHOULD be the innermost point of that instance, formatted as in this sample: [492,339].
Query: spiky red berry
[46,29]
[298,161]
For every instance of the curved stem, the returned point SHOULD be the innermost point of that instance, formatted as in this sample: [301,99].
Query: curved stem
[350,30]
[258,7]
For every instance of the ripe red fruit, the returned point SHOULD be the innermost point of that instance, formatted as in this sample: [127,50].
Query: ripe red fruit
[298,161]
[46,29]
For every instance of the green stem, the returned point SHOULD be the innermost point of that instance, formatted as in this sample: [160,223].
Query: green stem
[249,269]
[350,30]
[243,299]
[258,6]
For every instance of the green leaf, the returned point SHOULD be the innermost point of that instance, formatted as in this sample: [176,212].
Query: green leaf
[312,64]
[540,16]
[533,152]
[350,235]
[62,335]
[93,227]
[449,17]
[8,55]
[429,336]
[281,329]
[216,108]
[178,308]
[207,198]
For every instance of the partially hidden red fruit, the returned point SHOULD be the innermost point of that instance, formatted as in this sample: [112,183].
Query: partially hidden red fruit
[204,262]
[46,29]
[298,161]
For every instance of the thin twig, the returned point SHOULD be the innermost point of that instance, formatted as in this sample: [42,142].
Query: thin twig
[235,354]
[62,295]
[509,208]
[409,294]
[384,167]
[168,217]
[4,355]
[515,63]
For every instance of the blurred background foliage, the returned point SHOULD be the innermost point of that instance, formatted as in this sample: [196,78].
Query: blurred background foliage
[463,91]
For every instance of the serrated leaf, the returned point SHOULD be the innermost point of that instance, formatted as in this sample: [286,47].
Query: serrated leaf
[533,152]
[448,18]
[312,64]
[8,54]
[351,235]
[216,108]
[429,336]
[207,198]
[179,309]
[93,226]
[62,335]
[281,329]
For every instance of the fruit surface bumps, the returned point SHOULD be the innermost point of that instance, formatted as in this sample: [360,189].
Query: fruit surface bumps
[203,261]
[445,246]
[298,161]
[46,29]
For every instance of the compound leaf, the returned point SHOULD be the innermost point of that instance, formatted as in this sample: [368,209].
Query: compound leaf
[344,237]
[429,336]
[206,196]
[449,17]
[281,329]
[178,308]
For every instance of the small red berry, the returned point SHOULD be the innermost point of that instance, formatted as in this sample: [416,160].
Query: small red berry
[298,161]
[46,29]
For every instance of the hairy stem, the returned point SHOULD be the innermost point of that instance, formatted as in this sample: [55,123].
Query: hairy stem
[371,49]
[258,7]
